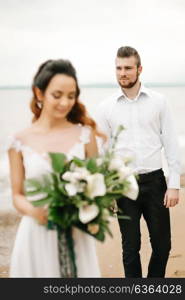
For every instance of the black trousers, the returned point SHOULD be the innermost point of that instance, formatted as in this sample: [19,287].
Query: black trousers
[152,188]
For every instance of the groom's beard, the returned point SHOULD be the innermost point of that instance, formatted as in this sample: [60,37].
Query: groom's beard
[130,84]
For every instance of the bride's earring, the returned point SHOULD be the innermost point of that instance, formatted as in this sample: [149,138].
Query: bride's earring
[39,104]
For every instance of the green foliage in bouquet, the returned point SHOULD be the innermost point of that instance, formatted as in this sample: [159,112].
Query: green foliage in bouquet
[81,192]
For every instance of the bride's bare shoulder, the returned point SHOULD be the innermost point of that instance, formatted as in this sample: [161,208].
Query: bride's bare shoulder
[21,135]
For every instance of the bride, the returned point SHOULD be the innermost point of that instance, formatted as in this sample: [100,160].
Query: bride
[60,124]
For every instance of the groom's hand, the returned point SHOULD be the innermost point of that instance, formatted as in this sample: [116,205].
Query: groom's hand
[171,197]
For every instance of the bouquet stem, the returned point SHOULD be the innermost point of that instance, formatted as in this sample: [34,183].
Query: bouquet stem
[66,253]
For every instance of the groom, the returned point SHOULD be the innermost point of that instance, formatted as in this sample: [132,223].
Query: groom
[148,128]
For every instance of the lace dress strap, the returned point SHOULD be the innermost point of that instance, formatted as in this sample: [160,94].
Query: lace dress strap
[13,142]
[85,135]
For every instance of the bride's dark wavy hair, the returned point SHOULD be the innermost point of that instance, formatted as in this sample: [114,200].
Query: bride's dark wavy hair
[45,73]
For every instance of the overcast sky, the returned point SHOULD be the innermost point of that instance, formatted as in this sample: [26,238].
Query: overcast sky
[88,32]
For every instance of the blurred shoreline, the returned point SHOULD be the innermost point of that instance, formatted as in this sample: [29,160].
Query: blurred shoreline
[15,115]
[100,85]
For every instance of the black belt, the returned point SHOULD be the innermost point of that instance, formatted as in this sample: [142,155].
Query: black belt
[149,176]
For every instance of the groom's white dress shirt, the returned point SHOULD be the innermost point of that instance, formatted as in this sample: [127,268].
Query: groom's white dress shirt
[148,128]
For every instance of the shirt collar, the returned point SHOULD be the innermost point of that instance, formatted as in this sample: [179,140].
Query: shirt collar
[142,91]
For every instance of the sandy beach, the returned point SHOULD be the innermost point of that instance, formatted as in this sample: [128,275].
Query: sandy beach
[109,252]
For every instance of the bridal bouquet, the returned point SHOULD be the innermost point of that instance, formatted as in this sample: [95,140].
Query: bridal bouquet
[81,192]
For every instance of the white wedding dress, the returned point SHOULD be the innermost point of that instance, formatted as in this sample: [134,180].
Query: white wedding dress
[35,251]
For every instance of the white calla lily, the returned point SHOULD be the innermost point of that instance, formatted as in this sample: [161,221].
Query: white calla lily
[71,189]
[81,173]
[133,191]
[68,176]
[95,185]
[124,172]
[77,174]
[81,187]
[88,213]
[116,163]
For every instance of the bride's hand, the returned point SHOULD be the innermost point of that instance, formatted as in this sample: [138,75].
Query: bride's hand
[40,214]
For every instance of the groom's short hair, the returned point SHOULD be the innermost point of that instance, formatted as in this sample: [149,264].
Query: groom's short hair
[127,51]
